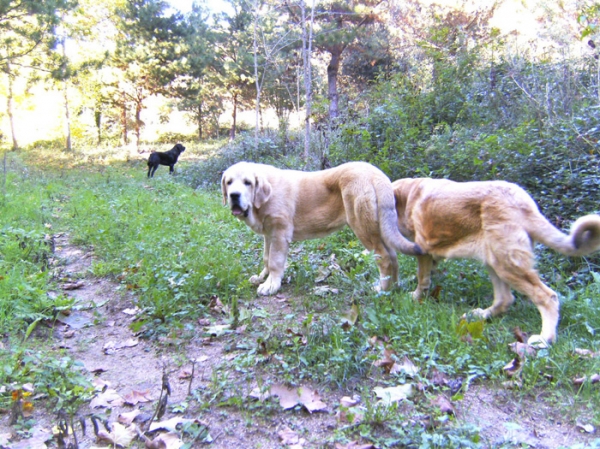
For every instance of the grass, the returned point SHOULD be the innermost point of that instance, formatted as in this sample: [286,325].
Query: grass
[177,247]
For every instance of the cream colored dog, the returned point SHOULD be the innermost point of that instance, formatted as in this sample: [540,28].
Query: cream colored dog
[290,205]
[495,222]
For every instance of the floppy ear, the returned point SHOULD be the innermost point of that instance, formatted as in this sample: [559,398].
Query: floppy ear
[224,189]
[262,191]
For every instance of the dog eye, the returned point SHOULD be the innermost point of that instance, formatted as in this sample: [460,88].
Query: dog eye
[229,182]
[248,183]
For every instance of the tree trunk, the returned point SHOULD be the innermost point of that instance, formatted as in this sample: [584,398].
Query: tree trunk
[98,122]
[124,119]
[67,117]
[306,57]
[332,77]
[257,81]
[9,108]
[233,118]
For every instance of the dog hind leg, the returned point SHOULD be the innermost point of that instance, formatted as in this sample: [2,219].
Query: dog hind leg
[424,268]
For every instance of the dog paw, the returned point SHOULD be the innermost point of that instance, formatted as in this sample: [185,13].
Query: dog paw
[269,287]
[538,342]
[482,314]
[255,280]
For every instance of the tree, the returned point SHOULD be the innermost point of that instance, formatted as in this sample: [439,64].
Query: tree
[27,27]
[235,51]
[196,88]
[148,55]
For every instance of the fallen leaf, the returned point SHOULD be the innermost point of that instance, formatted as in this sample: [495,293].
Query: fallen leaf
[170,440]
[387,361]
[520,336]
[407,367]
[513,367]
[350,318]
[127,418]
[587,353]
[347,401]
[323,290]
[109,398]
[290,397]
[119,435]
[523,350]
[394,394]
[354,445]
[132,311]
[136,397]
[288,436]
[73,285]
[444,404]
[587,428]
[595,378]
[171,424]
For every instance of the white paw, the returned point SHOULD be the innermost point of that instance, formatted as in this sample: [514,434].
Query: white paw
[538,342]
[482,314]
[255,280]
[269,287]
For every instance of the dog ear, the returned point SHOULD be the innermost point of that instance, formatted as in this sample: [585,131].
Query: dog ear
[224,189]
[262,191]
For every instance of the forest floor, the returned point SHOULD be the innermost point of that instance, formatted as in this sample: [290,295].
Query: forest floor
[132,374]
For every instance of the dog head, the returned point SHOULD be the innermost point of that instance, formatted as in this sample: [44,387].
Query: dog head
[178,148]
[244,186]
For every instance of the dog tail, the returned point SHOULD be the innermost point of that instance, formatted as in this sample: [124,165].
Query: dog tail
[388,224]
[583,239]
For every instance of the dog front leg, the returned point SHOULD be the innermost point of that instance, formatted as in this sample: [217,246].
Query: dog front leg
[255,280]
[278,250]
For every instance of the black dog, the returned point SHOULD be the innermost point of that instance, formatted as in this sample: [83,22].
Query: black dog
[167,158]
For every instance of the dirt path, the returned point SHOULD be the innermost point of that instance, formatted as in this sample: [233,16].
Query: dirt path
[97,333]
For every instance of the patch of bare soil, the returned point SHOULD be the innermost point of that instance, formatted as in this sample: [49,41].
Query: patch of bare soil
[130,370]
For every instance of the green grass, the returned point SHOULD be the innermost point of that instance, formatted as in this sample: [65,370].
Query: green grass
[177,247]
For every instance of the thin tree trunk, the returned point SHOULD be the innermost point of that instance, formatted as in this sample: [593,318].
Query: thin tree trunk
[307,55]
[233,118]
[124,119]
[332,77]
[9,108]
[258,90]
[66,99]
[67,117]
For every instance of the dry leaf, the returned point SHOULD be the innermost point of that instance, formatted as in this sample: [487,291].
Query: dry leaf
[523,350]
[444,404]
[136,397]
[288,436]
[168,440]
[109,398]
[407,367]
[350,318]
[587,353]
[119,436]
[513,367]
[387,362]
[290,397]
[394,394]
[127,418]
[595,378]
[73,285]
[171,424]
[347,401]
[354,445]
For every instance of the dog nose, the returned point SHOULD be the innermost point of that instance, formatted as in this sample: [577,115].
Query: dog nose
[234,197]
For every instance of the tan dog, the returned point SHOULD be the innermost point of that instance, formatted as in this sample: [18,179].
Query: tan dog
[290,205]
[495,222]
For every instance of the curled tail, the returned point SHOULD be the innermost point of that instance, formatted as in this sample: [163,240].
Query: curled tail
[388,224]
[583,239]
